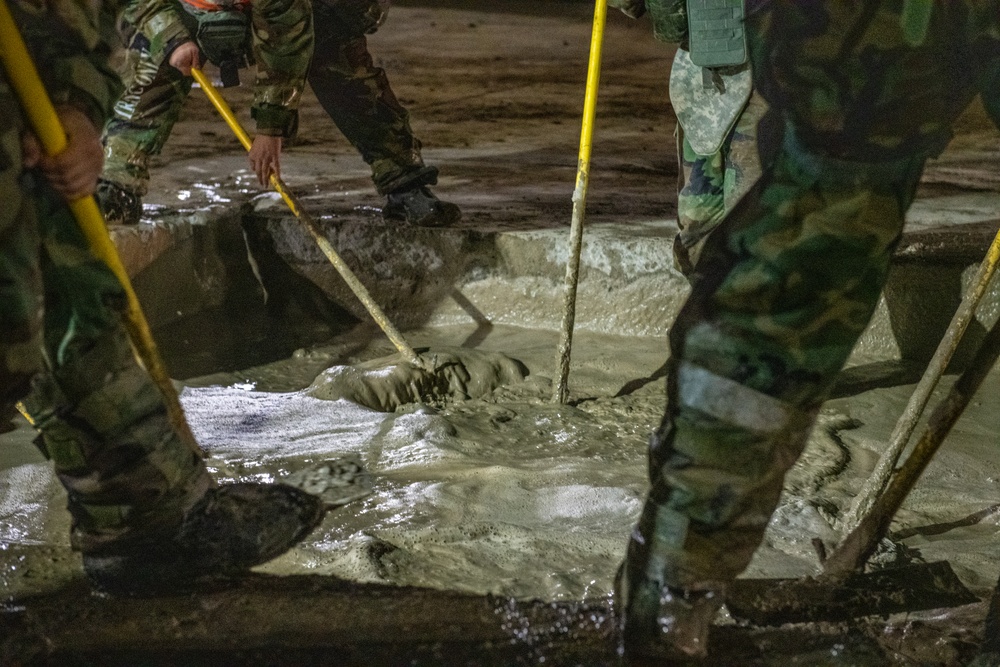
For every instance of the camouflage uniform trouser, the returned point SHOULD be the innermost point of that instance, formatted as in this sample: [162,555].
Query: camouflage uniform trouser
[708,186]
[354,92]
[102,421]
[357,96]
[788,282]
[144,115]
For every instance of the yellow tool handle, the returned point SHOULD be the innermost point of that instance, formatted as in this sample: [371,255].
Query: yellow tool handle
[324,244]
[561,391]
[590,98]
[44,120]
[885,468]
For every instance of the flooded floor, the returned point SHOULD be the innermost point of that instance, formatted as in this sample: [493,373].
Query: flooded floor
[516,499]
[495,524]
[516,496]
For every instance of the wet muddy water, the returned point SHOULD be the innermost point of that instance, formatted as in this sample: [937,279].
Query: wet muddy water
[513,496]
[506,495]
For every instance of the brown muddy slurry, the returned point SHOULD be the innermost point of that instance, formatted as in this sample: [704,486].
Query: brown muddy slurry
[496,518]
[442,375]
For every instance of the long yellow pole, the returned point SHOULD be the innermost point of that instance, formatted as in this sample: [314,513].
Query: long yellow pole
[877,482]
[324,244]
[41,114]
[580,200]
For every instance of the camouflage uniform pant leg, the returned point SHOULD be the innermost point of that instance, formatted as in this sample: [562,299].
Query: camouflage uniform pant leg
[20,274]
[101,419]
[144,116]
[710,185]
[780,295]
[359,100]
[788,282]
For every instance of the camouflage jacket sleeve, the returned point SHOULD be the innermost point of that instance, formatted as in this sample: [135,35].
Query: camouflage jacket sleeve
[70,42]
[670,21]
[282,48]
[159,21]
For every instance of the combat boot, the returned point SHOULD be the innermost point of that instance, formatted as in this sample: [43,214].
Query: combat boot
[657,621]
[417,205]
[119,204]
[230,530]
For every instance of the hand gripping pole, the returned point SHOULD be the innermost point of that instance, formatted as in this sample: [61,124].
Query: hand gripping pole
[324,244]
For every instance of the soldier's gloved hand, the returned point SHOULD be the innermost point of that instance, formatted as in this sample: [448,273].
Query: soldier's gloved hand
[73,173]
[265,157]
[633,8]
[185,56]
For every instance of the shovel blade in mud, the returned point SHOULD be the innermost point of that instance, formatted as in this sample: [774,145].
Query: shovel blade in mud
[812,599]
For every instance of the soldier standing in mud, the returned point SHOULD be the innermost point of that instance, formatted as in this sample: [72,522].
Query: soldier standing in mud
[865,93]
[166,38]
[717,111]
[146,514]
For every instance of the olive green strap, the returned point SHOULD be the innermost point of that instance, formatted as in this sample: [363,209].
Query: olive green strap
[716,34]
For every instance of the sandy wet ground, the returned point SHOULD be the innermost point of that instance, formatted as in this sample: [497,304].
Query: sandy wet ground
[507,495]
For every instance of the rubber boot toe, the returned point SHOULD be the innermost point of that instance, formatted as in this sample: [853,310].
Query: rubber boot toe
[419,206]
[230,530]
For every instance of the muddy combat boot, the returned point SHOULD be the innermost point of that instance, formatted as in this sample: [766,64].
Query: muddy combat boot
[120,205]
[659,622]
[417,205]
[231,529]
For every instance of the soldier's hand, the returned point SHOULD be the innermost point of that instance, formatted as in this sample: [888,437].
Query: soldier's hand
[265,157]
[73,173]
[184,57]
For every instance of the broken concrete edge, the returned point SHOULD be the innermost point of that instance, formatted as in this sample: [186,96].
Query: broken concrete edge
[261,611]
[463,275]
[908,588]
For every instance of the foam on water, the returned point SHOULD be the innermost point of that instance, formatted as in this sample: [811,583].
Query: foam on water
[232,423]
[511,494]
[463,497]
[25,494]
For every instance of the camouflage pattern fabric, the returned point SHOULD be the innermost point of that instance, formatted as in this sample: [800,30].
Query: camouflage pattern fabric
[69,40]
[282,46]
[357,95]
[709,185]
[144,116]
[707,101]
[20,276]
[670,20]
[716,131]
[101,419]
[349,87]
[790,279]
